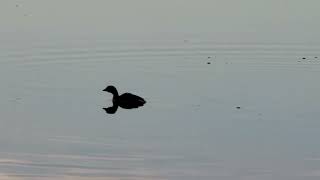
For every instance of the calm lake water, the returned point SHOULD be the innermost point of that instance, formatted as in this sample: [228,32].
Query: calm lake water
[53,125]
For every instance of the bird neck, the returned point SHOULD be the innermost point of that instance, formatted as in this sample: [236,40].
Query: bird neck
[115,96]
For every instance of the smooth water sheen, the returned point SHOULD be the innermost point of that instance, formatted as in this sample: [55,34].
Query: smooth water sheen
[53,125]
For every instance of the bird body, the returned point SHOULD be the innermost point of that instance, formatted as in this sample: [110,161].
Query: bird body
[129,101]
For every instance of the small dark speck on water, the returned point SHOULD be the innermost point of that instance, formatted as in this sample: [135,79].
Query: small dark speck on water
[208,62]
[316,57]
[303,58]
[209,57]
[299,61]
[238,107]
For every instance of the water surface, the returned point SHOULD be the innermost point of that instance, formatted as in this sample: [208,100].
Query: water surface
[53,125]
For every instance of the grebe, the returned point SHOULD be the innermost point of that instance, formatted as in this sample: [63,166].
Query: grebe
[126,100]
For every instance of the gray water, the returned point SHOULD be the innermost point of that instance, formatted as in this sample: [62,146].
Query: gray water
[251,114]
[53,125]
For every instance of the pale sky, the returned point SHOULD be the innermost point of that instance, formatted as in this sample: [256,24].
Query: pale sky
[285,20]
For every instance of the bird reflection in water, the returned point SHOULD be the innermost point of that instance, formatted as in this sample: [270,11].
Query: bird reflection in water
[125,101]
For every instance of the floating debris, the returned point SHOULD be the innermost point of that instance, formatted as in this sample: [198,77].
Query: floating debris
[303,58]
[238,107]
[208,62]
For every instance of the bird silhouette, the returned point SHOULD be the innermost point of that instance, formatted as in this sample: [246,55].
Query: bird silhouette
[125,101]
